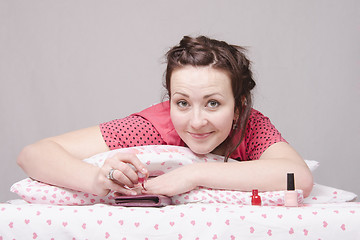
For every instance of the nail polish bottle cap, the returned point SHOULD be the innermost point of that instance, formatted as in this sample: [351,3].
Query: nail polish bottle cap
[290,182]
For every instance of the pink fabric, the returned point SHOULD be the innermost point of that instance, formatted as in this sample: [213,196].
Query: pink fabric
[159,116]
[153,126]
[130,131]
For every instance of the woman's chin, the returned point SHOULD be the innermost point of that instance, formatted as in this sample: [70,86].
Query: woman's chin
[200,150]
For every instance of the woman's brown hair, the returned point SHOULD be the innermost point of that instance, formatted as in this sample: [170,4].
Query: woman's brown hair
[203,51]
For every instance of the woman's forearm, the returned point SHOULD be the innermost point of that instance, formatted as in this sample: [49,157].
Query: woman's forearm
[57,160]
[264,175]
[49,162]
[269,173]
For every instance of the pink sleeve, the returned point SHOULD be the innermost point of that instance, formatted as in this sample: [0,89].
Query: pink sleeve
[129,132]
[260,135]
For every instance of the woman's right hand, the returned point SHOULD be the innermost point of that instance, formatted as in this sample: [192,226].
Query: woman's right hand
[125,167]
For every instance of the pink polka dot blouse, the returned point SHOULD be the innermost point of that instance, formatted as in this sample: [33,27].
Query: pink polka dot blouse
[153,126]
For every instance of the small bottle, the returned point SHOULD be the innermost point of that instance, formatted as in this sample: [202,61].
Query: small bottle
[291,195]
[255,198]
[142,179]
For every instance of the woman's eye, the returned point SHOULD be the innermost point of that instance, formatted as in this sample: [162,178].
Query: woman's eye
[182,103]
[213,104]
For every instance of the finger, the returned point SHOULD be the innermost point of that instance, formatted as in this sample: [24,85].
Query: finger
[136,189]
[147,189]
[120,189]
[125,175]
[113,185]
[123,172]
[134,161]
[128,166]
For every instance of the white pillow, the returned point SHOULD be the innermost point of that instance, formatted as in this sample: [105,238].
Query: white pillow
[312,164]
[159,159]
[325,194]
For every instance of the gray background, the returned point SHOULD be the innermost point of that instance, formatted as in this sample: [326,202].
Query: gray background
[66,65]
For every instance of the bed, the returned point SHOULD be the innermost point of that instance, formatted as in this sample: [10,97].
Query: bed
[49,212]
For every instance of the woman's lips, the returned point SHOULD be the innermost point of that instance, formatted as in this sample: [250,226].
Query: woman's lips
[200,135]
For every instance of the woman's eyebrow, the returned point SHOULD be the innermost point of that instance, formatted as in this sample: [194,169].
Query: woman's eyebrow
[180,93]
[205,97]
[212,94]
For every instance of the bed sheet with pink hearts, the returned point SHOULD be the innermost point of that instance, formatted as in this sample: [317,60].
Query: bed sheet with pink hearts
[21,220]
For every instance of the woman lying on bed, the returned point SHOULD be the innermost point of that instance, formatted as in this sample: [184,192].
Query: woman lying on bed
[209,85]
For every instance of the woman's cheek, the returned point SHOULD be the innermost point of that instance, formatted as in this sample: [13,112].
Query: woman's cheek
[223,120]
[178,119]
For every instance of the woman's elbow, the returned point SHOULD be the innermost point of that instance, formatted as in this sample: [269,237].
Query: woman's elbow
[306,182]
[25,156]
[21,159]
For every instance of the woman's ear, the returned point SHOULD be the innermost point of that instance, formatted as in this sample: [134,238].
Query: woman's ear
[243,101]
[236,115]
[235,120]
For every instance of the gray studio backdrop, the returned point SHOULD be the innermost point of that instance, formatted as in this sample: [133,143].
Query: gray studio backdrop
[66,65]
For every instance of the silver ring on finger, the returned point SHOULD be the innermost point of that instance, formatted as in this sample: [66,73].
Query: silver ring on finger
[110,174]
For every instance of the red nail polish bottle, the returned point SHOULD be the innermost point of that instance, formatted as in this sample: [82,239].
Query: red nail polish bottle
[255,198]
[141,177]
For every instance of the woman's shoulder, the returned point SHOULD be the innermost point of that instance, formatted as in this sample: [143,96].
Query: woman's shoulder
[159,116]
[154,110]
[258,123]
[256,115]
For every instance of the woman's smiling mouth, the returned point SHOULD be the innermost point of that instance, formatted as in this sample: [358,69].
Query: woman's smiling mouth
[200,135]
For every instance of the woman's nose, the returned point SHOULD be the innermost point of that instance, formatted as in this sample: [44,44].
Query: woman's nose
[198,119]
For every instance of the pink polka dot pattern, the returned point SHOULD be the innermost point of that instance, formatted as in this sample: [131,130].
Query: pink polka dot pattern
[135,131]
[260,134]
[130,131]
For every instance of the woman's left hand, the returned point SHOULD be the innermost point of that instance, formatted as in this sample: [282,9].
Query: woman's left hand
[178,181]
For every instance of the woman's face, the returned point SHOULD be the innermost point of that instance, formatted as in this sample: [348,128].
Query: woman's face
[201,107]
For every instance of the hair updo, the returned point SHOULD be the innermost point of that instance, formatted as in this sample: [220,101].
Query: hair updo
[203,51]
